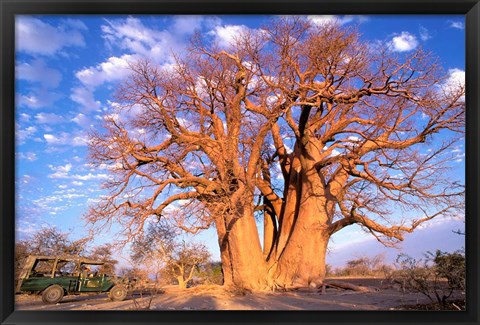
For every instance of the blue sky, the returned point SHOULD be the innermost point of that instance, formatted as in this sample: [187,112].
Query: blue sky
[68,68]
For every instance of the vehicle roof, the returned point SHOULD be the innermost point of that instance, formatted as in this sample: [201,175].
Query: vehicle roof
[66,258]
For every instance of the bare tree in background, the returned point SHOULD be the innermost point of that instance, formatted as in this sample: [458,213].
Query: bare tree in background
[168,257]
[53,242]
[49,242]
[104,253]
[372,134]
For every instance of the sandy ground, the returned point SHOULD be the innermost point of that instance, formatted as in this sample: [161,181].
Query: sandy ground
[216,298]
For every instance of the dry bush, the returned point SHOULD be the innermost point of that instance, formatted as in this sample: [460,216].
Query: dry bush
[436,276]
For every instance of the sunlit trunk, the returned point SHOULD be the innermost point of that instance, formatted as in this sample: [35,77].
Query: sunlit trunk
[302,261]
[181,282]
[270,231]
[224,251]
[287,219]
[302,245]
[241,253]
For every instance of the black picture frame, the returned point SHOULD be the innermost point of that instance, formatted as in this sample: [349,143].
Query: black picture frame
[10,8]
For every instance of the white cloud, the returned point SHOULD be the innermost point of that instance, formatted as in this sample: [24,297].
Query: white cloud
[80,140]
[24,117]
[24,134]
[226,35]
[84,97]
[114,69]
[132,35]
[26,228]
[90,176]
[404,42]
[65,139]
[37,37]
[49,118]
[186,24]
[63,172]
[456,24]
[37,98]
[66,168]
[341,20]
[141,41]
[30,156]
[288,149]
[75,23]
[60,171]
[37,71]
[82,120]
[424,34]
[51,139]
[454,83]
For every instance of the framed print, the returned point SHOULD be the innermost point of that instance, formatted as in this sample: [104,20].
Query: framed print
[221,162]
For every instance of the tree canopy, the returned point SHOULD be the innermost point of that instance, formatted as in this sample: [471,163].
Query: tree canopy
[307,123]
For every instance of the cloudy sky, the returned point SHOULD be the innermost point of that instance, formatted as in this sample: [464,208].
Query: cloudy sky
[68,68]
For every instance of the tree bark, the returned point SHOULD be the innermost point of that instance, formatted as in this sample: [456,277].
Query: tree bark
[269,230]
[241,253]
[287,219]
[349,286]
[181,282]
[302,260]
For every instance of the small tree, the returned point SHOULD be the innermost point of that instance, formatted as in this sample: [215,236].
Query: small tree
[451,266]
[104,253]
[214,273]
[165,255]
[134,272]
[22,250]
[51,241]
[364,266]
[186,261]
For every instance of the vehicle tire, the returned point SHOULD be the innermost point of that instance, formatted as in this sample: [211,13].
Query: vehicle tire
[52,294]
[118,293]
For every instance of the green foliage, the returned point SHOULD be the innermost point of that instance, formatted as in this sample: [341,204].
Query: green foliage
[212,273]
[451,266]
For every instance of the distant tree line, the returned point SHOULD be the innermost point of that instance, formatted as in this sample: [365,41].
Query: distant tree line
[158,257]
[53,242]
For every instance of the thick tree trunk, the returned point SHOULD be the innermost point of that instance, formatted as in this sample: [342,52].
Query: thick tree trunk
[302,262]
[287,219]
[270,232]
[224,251]
[181,282]
[241,253]
[302,259]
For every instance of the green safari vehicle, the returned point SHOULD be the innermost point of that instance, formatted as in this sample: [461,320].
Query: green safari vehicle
[55,277]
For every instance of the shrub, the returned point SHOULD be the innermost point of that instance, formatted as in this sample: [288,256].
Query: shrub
[363,266]
[427,276]
[451,266]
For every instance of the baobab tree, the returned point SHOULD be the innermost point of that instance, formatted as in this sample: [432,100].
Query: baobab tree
[199,143]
